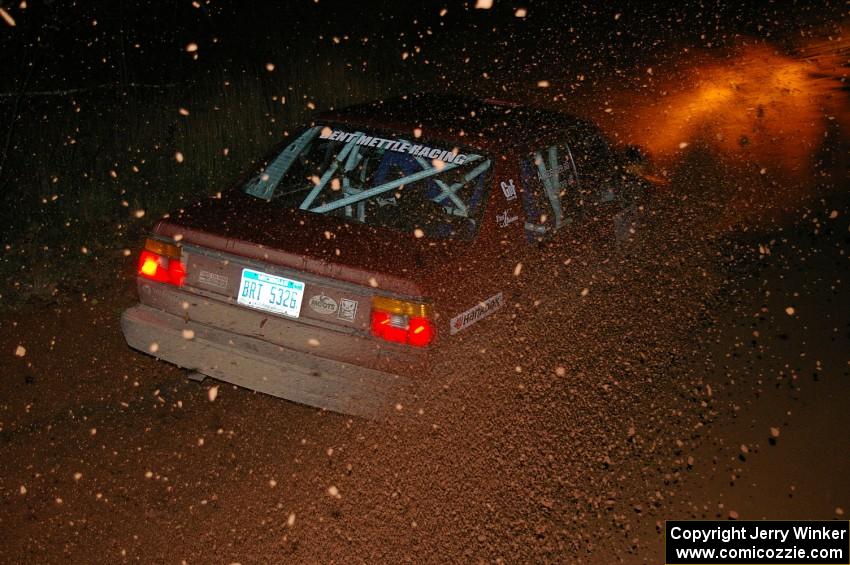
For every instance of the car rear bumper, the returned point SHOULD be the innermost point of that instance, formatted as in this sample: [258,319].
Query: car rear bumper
[260,365]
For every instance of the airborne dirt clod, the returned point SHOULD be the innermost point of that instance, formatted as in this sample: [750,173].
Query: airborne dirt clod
[575,427]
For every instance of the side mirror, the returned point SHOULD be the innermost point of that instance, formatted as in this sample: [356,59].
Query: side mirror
[634,155]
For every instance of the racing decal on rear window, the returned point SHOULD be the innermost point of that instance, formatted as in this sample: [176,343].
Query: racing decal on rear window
[476,313]
[347,309]
[399,146]
[323,304]
[508,189]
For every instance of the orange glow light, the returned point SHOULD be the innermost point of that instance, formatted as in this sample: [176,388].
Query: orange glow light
[761,112]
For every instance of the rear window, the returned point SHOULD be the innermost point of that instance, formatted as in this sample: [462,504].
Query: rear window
[385,180]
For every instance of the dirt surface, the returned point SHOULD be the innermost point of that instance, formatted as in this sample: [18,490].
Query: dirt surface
[678,376]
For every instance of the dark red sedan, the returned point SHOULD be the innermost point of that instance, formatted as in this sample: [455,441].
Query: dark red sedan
[332,273]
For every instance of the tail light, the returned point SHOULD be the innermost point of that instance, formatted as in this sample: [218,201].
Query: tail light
[160,261]
[401,321]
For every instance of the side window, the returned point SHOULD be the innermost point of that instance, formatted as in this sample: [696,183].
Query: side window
[550,190]
[599,172]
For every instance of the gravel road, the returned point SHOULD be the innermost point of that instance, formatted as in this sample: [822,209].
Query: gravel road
[686,374]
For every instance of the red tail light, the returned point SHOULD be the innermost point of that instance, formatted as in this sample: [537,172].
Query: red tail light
[400,321]
[160,262]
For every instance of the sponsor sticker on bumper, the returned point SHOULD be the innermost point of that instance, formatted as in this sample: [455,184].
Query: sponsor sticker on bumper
[476,313]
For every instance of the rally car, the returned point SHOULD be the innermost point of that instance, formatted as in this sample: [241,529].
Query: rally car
[334,271]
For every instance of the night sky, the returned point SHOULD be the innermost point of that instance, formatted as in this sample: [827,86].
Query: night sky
[75,45]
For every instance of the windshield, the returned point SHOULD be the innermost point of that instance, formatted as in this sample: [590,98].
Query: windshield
[405,184]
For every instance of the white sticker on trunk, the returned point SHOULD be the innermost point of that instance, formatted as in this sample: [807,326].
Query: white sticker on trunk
[477,312]
[212,279]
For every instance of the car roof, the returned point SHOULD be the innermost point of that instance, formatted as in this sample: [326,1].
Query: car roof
[486,123]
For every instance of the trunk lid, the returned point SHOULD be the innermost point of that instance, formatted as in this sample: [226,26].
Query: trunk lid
[342,265]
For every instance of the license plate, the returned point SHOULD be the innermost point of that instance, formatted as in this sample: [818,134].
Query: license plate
[270,293]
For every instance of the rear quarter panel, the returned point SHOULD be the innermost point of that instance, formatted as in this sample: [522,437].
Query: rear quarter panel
[487,267]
